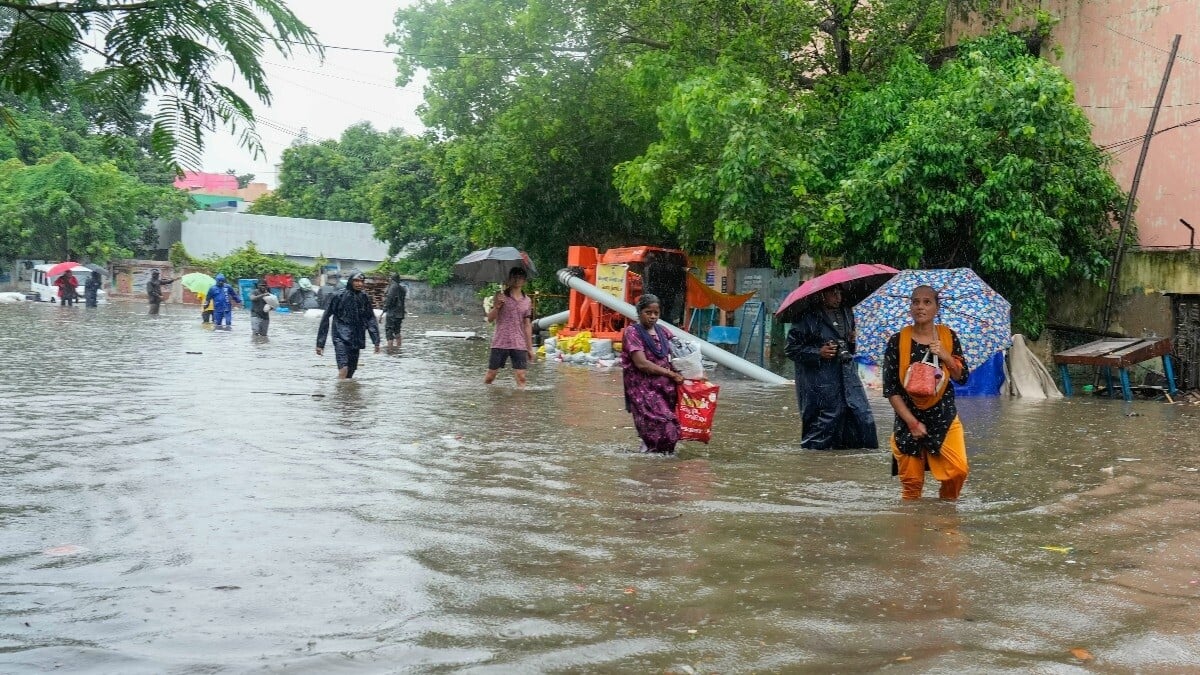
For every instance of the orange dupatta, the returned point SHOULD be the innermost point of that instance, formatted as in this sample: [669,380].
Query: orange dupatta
[947,338]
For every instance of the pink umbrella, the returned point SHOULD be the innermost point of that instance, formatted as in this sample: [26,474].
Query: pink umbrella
[857,282]
[60,268]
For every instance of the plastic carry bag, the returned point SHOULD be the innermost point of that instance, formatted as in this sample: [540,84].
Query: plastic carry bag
[696,408]
[686,359]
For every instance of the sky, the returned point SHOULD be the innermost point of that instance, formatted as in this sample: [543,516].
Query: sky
[324,97]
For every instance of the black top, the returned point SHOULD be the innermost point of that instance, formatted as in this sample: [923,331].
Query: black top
[937,418]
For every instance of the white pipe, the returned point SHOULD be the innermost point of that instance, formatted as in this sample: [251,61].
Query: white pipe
[547,321]
[713,352]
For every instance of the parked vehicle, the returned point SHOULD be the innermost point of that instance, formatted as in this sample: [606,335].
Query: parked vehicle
[42,284]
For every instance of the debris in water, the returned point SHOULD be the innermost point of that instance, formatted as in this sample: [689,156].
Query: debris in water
[1058,549]
[227,588]
[1108,471]
[906,657]
[1081,654]
[1128,459]
[65,549]
[193,352]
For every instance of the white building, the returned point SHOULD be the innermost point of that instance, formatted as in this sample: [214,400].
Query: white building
[210,233]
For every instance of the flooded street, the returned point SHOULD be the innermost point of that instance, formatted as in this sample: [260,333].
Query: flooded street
[178,500]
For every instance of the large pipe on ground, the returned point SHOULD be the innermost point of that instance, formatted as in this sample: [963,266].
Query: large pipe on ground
[546,321]
[711,351]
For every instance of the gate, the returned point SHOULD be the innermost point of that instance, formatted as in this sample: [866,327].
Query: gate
[1187,340]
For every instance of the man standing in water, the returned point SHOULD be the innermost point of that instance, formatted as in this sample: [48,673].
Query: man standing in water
[352,316]
[393,306]
[835,412]
[91,290]
[260,319]
[154,294]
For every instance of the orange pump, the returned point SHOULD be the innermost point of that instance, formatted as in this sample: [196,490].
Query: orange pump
[626,273]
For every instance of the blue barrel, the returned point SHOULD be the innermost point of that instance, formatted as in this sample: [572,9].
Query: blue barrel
[246,286]
[985,379]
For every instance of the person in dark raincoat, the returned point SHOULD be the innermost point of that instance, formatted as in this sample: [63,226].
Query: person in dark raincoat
[260,317]
[835,413]
[91,290]
[303,296]
[223,298]
[325,293]
[393,306]
[353,317]
[154,293]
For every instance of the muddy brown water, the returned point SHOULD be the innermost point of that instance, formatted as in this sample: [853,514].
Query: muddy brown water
[169,511]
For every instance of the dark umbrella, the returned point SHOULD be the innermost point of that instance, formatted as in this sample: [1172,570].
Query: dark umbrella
[96,268]
[857,282]
[492,265]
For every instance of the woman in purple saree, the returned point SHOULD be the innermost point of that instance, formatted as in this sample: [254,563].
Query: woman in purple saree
[651,386]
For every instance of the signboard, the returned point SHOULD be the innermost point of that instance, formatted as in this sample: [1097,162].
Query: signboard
[611,279]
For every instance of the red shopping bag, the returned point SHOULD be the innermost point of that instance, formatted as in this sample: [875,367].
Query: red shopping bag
[696,408]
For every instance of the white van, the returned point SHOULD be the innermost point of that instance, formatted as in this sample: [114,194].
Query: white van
[43,284]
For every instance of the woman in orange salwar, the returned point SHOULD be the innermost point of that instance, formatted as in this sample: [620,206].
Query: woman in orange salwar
[927,435]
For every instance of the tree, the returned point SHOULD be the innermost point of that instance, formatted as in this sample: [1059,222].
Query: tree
[61,205]
[986,162]
[171,48]
[330,180]
[407,205]
[243,179]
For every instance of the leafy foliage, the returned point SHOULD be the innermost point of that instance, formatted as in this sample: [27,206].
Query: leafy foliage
[986,162]
[331,180]
[246,262]
[61,208]
[172,48]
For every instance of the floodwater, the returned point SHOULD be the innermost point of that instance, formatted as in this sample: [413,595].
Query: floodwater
[174,499]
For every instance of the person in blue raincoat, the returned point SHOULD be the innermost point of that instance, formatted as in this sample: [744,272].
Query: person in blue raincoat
[352,316]
[223,297]
[834,409]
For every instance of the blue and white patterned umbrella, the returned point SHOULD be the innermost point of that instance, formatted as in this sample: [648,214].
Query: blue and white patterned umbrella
[981,316]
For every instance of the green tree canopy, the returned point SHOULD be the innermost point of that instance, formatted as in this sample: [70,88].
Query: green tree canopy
[331,179]
[61,206]
[986,162]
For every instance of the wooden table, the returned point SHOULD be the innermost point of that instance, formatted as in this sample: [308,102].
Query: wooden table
[1119,353]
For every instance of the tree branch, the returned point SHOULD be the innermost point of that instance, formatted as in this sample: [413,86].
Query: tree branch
[648,42]
[60,8]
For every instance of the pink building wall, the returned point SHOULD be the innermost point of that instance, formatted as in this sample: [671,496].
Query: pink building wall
[206,182]
[1115,52]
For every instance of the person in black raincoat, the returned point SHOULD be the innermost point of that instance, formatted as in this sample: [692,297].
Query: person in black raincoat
[393,306]
[154,293]
[327,290]
[352,316]
[834,409]
[91,290]
[303,296]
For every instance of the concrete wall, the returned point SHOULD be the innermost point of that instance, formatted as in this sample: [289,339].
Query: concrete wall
[207,233]
[1115,52]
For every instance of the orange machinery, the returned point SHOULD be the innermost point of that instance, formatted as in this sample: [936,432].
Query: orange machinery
[626,273]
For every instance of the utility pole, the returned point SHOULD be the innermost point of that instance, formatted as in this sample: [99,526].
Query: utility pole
[1114,273]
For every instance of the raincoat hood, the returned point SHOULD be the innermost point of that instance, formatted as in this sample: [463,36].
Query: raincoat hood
[220,278]
[305,284]
[154,273]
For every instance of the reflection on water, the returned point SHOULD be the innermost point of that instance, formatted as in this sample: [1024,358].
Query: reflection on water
[175,498]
